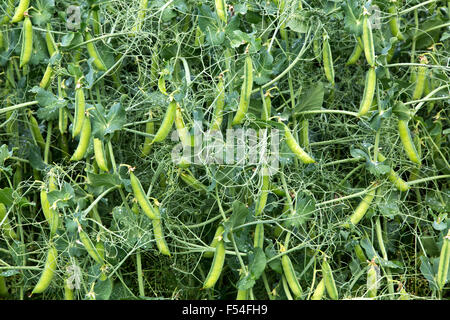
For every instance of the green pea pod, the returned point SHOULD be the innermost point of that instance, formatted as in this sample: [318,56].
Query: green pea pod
[267,107]
[27,42]
[141,197]
[320,291]
[83,144]
[199,37]
[258,241]
[398,182]
[51,215]
[50,42]
[49,271]
[216,266]
[295,148]
[265,188]
[242,295]
[362,208]
[92,251]
[221,10]
[167,123]
[408,144]
[328,60]
[316,49]
[367,37]
[183,132]
[192,182]
[95,18]
[46,77]
[80,108]
[304,133]
[20,10]
[149,129]
[217,237]
[369,92]
[220,103]
[360,253]
[37,135]
[8,12]
[394,24]
[328,278]
[289,273]
[246,92]
[68,291]
[93,53]
[159,236]
[3,287]
[372,282]
[143,4]
[444,261]
[5,225]
[99,153]
[356,53]
[420,79]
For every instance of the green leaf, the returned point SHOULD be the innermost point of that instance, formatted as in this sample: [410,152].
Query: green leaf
[34,156]
[359,154]
[311,99]
[388,206]
[49,104]
[428,271]
[106,180]
[103,289]
[4,154]
[298,22]
[246,283]
[240,213]
[43,12]
[275,264]
[10,197]
[258,264]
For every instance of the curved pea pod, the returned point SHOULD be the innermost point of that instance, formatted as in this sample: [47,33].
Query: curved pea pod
[216,266]
[183,132]
[27,42]
[221,10]
[46,77]
[328,278]
[444,261]
[258,241]
[92,251]
[140,196]
[362,208]
[360,253]
[356,53]
[220,103]
[49,271]
[9,11]
[367,37]
[149,129]
[265,188]
[80,108]
[408,144]
[99,153]
[328,60]
[167,123]
[83,144]
[320,291]
[246,92]
[194,183]
[369,92]
[217,236]
[295,148]
[143,4]
[394,24]
[20,10]
[93,53]
[267,107]
[51,215]
[37,135]
[393,177]
[420,79]
[304,133]
[5,225]
[159,236]
[50,41]
[289,273]
[316,49]
[242,295]
[372,281]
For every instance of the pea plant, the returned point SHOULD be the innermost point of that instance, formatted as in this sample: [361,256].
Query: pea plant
[249,150]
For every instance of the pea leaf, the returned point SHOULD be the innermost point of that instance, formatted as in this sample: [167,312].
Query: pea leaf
[311,99]
[49,104]
[9,196]
[63,198]
[103,289]
[429,270]
[4,154]
[240,213]
[43,12]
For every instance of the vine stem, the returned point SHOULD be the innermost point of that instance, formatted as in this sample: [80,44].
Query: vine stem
[410,183]
[18,106]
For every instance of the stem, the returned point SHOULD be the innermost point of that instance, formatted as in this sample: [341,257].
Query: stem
[139,272]
[48,141]
[18,106]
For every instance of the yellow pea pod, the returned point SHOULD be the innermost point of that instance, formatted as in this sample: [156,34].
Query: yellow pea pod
[220,103]
[68,291]
[246,92]
[80,108]
[99,153]
[328,278]
[217,237]
[367,37]
[83,144]
[141,197]
[167,123]
[356,53]
[159,236]
[20,10]
[393,177]
[51,215]
[27,42]
[46,77]
[289,273]
[216,266]
[369,92]
[221,10]
[320,291]
[93,53]
[362,208]
[5,225]
[444,261]
[328,60]
[9,11]
[408,144]
[49,271]
[360,253]
[295,148]
[420,79]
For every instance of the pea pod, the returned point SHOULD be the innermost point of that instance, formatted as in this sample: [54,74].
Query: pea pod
[398,182]
[159,236]
[217,236]
[367,37]
[242,295]
[167,122]
[369,92]
[360,253]
[295,148]
[220,103]
[289,273]
[246,91]
[3,287]
[320,291]
[20,10]
[50,42]
[258,241]
[394,24]
[267,107]
[92,251]
[83,144]
[5,225]
[36,132]
[362,208]
[372,282]
[221,10]
[80,108]
[68,291]
[149,129]
[143,4]
[356,53]
[49,271]
[444,261]
[93,53]
[408,145]
[199,37]
[216,266]
[8,12]
[328,60]
[141,197]
[99,153]
[265,188]
[420,79]
[193,182]
[27,42]
[51,215]
[46,77]
[316,49]
[328,278]
[183,133]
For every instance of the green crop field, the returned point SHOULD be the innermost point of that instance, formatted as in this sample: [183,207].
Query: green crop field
[222,150]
